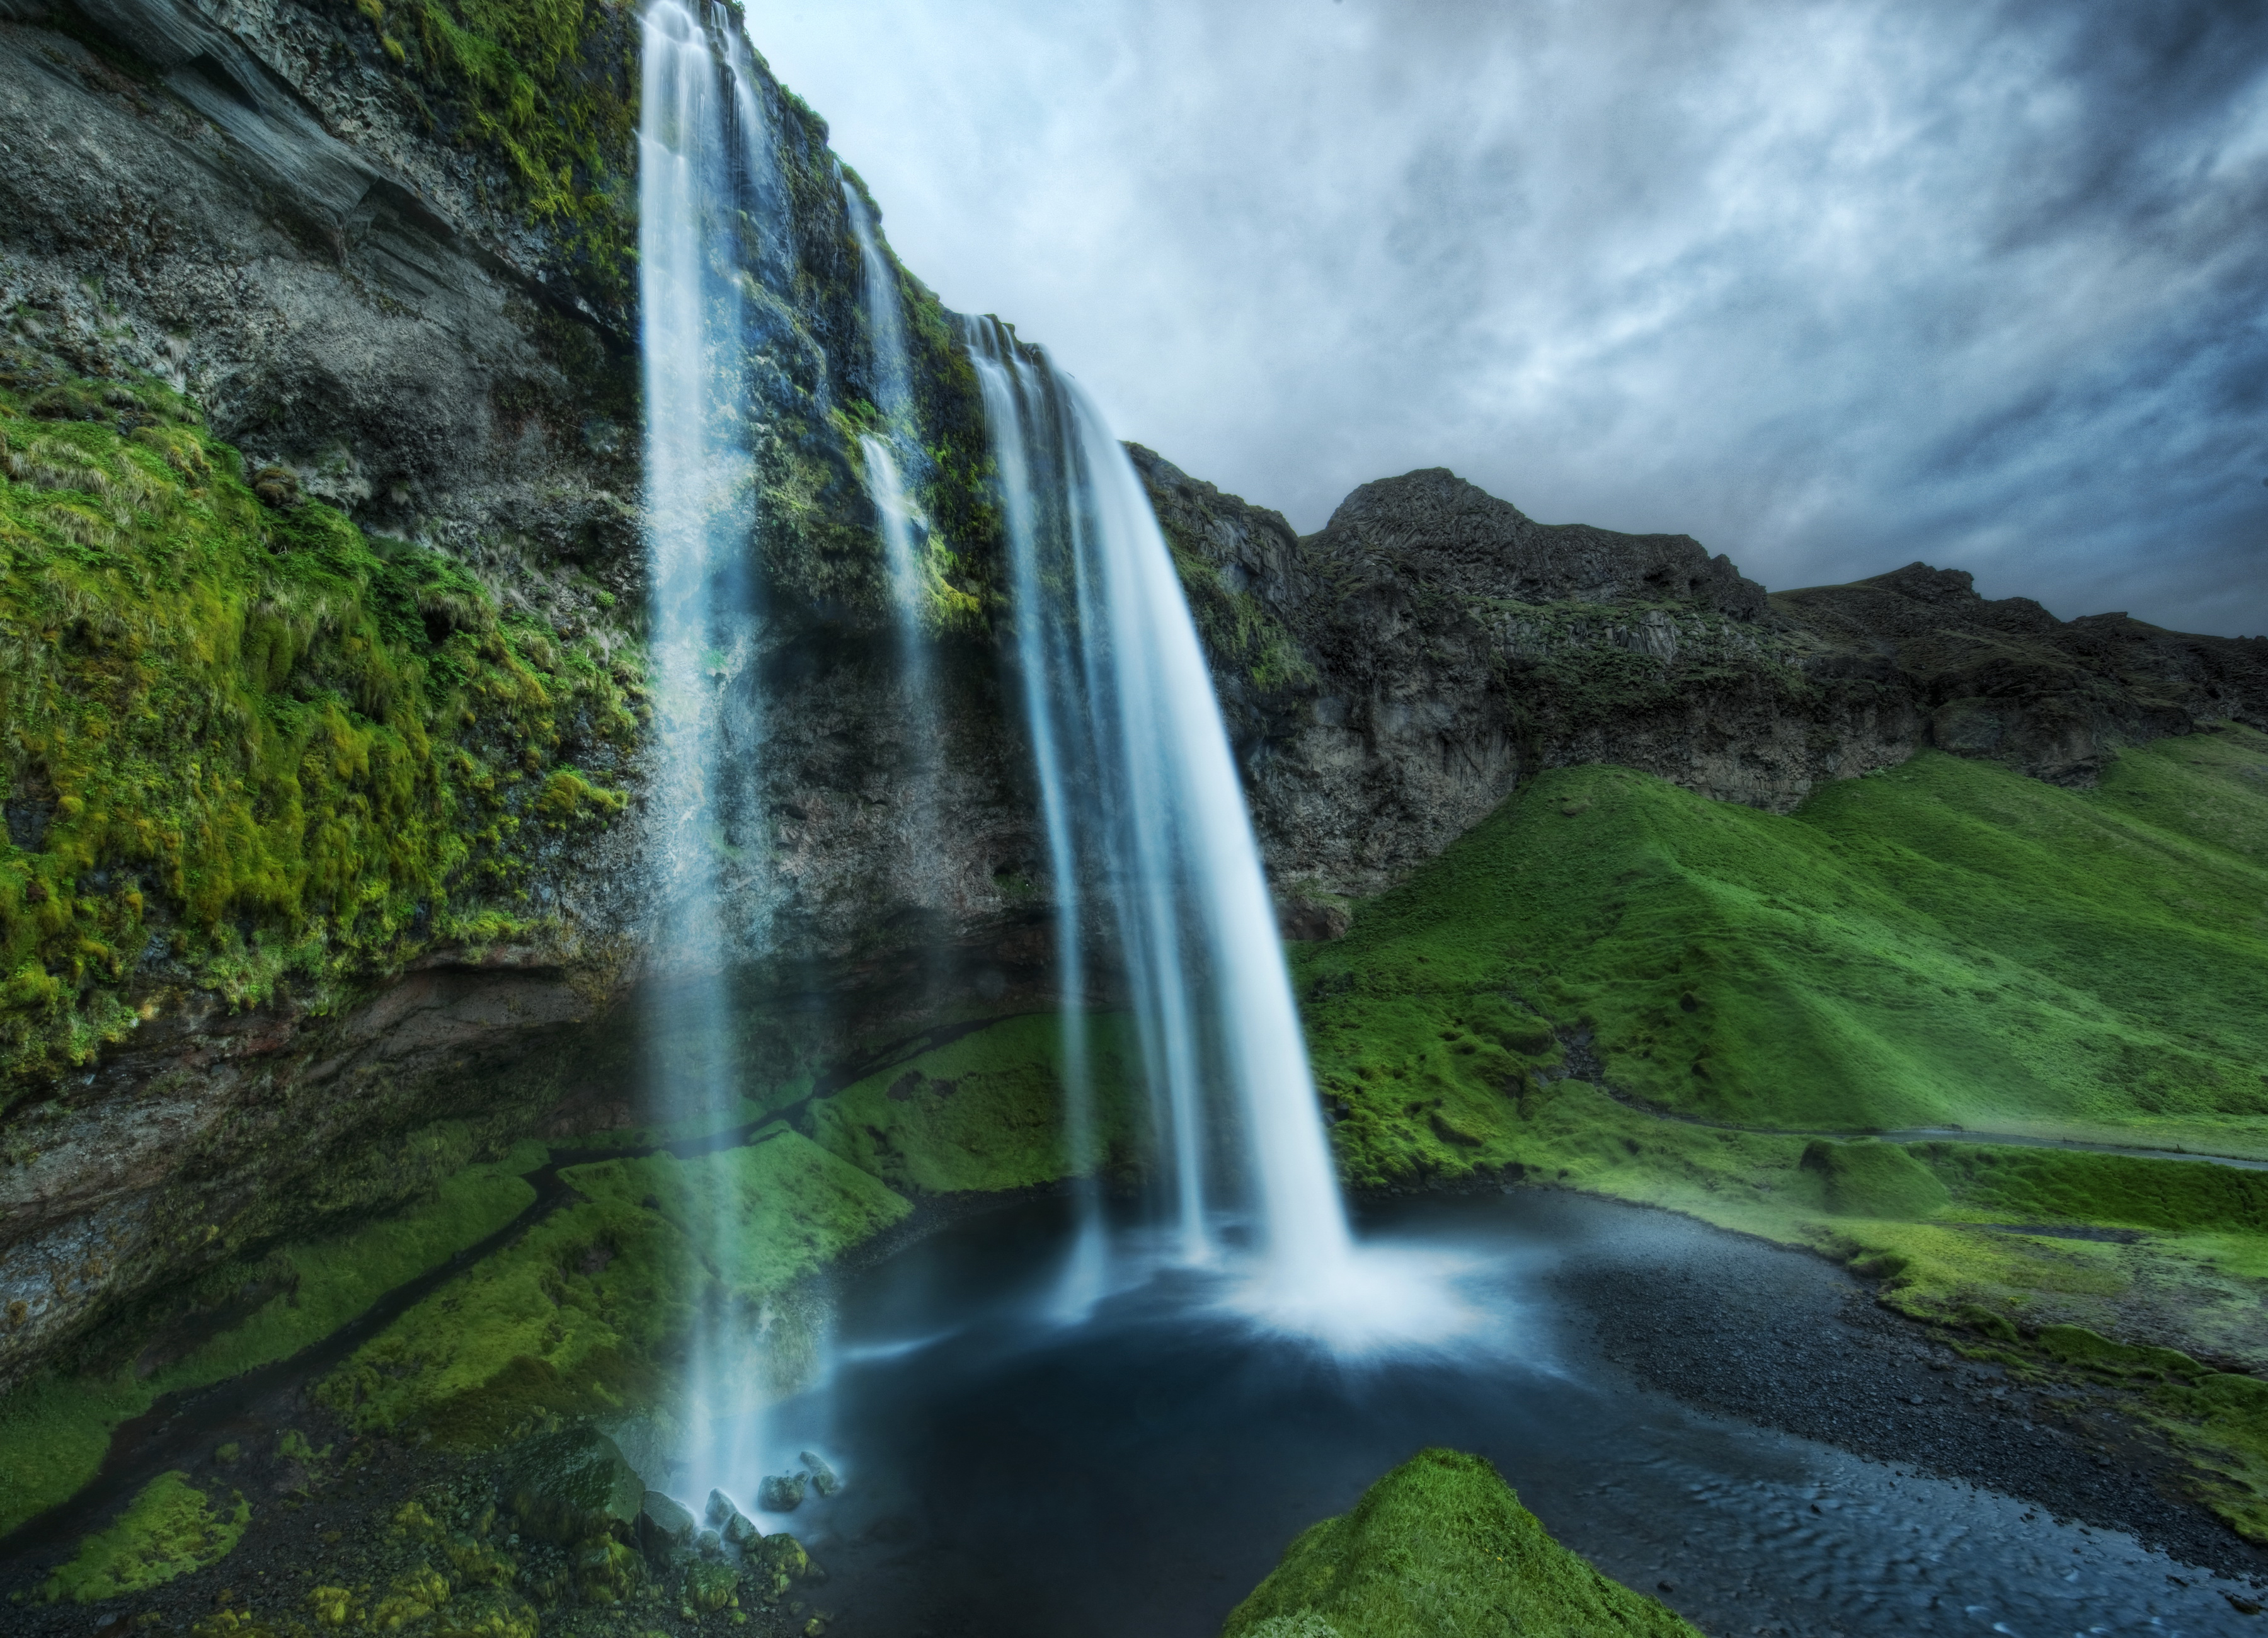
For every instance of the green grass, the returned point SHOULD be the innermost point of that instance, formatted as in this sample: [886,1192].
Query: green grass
[585,1314]
[55,1429]
[168,1529]
[1945,943]
[984,1112]
[1440,1547]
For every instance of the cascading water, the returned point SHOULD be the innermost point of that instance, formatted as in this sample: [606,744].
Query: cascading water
[703,155]
[886,455]
[1140,792]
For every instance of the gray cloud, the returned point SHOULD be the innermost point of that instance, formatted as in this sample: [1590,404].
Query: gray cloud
[1831,286]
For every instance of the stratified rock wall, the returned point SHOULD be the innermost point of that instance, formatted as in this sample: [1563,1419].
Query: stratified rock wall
[1392,677]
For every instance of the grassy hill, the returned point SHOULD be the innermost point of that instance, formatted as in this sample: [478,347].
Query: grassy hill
[1615,985]
[1945,943]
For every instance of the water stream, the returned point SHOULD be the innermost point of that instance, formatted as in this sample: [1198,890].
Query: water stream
[1141,800]
[704,151]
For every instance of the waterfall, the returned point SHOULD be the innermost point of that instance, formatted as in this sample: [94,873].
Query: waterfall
[880,452]
[1140,793]
[1015,404]
[702,150]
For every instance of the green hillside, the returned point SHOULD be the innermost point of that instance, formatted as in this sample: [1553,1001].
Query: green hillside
[1944,943]
[1615,985]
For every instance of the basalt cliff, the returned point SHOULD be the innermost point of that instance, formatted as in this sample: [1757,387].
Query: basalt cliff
[323,698]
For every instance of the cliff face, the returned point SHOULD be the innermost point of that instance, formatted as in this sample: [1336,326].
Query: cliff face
[326,738]
[1392,677]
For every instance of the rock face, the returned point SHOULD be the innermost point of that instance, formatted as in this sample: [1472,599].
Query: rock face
[1392,677]
[2009,681]
[1432,526]
[402,288]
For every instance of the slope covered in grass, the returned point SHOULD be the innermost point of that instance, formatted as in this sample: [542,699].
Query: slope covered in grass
[582,1314]
[1946,943]
[1617,986]
[986,1111]
[1440,1548]
[54,1430]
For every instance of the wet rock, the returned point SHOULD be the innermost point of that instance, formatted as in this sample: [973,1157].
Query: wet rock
[782,1493]
[666,1530]
[572,1486]
[783,1560]
[824,1478]
[731,1525]
[608,1571]
[711,1586]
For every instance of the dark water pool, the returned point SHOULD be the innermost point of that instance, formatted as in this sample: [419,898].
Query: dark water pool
[1138,1473]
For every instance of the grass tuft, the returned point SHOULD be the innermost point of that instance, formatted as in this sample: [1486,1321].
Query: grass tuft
[1440,1547]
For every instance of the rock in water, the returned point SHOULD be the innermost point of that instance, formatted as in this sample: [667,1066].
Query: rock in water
[781,1492]
[666,1530]
[783,1557]
[1440,1544]
[824,1478]
[573,1485]
[731,1524]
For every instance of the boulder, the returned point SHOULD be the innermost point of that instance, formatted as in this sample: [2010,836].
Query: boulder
[573,1485]
[664,1530]
[782,1493]
[824,1480]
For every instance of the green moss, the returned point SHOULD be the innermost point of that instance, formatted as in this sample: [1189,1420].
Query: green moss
[1239,629]
[246,741]
[581,1314]
[551,87]
[1440,1548]
[1874,1180]
[985,1113]
[54,1430]
[169,1530]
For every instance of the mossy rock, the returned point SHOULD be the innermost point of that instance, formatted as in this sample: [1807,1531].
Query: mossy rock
[1440,1548]
[1874,1180]
[573,1485]
[711,1584]
[169,1530]
[2077,1345]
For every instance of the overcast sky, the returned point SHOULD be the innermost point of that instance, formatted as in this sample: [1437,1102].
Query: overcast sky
[1830,286]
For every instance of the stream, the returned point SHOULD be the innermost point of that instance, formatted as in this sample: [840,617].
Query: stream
[1137,1473]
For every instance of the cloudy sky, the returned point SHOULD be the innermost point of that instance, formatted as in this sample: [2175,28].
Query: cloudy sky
[1831,286]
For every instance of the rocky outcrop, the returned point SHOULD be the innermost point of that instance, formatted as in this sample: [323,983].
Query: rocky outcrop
[1392,677]
[2007,680]
[386,257]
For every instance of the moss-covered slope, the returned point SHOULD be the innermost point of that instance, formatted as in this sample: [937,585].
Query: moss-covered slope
[1615,985]
[243,741]
[1440,1548]
[1948,942]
